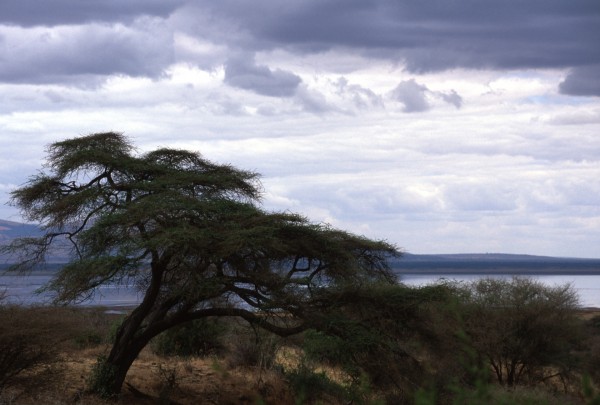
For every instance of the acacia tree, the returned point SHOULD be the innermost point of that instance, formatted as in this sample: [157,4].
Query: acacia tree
[522,328]
[190,233]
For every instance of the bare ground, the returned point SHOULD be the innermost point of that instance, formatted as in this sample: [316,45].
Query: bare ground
[151,380]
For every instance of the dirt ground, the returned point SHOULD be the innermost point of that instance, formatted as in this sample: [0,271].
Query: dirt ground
[589,313]
[151,380]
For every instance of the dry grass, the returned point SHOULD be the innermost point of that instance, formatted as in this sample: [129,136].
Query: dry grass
[152,379]
[194,381]
[589,313]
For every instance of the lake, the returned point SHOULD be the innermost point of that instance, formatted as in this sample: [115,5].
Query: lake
[587,286]
[21,289]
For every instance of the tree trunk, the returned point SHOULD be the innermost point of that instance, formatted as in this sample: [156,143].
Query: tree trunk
[129,342]
[143,324]
[120,364]
[109,376]
[511,370]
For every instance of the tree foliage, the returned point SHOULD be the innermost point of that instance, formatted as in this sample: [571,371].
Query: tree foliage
[391,336]
[192,236]
[525,330]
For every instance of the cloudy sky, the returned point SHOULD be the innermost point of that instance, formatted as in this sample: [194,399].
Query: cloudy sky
[441,126]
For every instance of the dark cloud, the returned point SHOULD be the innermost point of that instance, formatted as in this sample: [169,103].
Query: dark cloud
[243,72]
[582,81]
[427,35]
[28,13]
[72,54]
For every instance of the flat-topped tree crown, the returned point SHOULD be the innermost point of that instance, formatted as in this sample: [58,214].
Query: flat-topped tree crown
[191,233]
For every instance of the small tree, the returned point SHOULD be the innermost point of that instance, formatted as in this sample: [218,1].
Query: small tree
[190,234]
[522,327]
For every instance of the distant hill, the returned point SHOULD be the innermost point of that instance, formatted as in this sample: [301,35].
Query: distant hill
[10,230]
[472,263]
[493,263]
[487,257]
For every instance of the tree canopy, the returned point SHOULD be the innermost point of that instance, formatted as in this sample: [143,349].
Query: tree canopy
[526,331]
[191,234]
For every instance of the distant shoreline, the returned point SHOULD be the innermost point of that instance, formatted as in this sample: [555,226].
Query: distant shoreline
[494,265]
[495,272]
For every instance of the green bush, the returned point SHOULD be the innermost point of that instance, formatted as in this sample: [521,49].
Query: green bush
[88,338]
[386,337]
[333,350]
[201,337]
[101,378]
[310,386]
[113,328]
[522,328]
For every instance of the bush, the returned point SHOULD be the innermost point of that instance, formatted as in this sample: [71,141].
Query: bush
[101,378]
[591,349]
[201,337]
[88,338]
[26,342]
[334,351]
[310,386]
[522,327]
[384,334]
[253,348]
[527,396]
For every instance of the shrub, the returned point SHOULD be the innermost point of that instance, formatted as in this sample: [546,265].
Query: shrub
[522,327]
[386,334]
[253,348]
[169,382]
[591,349]
[310,386]
[26,341]
[527,396]
[113,328]
[101,378]
[201,337]
[88,338]
[333,350]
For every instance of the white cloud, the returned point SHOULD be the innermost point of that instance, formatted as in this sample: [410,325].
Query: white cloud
[496,159]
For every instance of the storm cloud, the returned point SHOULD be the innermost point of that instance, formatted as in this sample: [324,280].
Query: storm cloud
[582,81]
[27,13]
[243,72]
[424,36]
[74,53]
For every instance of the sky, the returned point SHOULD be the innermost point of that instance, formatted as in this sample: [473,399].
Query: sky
[463,126]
